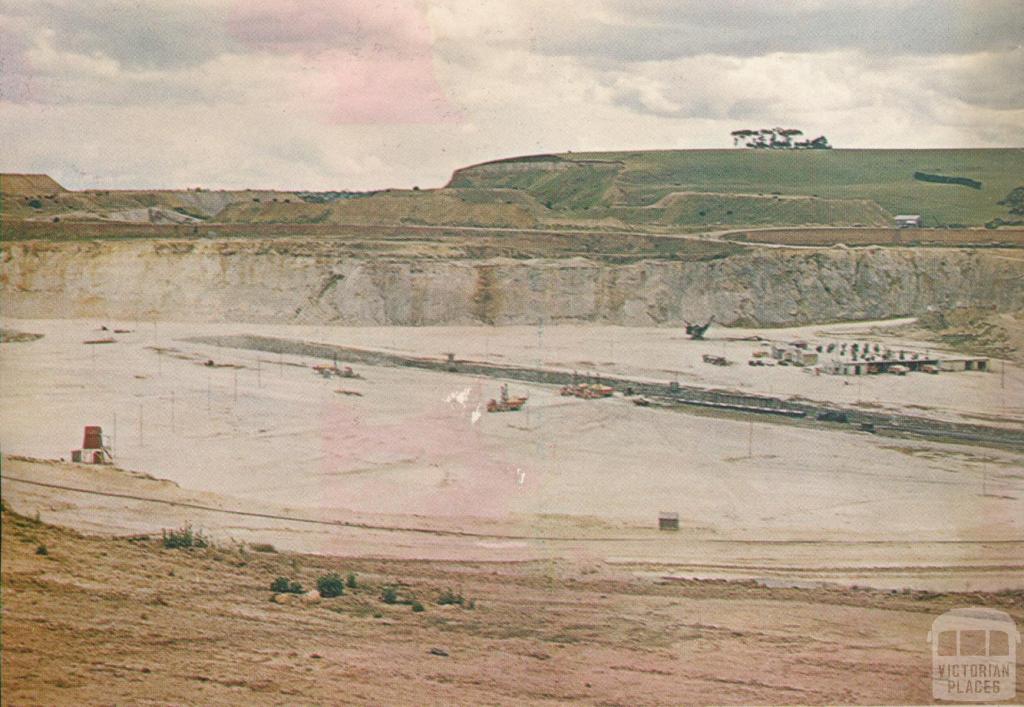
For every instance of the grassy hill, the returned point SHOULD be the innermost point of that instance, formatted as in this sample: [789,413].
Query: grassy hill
[591,184]
[670,190]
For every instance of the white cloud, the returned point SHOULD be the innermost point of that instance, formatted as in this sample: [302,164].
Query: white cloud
[333,95]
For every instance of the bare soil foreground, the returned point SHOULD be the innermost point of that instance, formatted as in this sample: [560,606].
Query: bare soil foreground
[103,620]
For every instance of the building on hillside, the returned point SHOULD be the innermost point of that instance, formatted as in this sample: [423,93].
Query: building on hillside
[908,221]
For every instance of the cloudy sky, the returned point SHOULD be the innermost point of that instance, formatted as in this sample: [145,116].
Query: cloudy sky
[362,94]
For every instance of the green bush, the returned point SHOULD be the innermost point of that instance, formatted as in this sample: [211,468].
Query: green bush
[1014,201]
[283,585]
[264,547]
[943,179]
[41,550]
[184,538]
[350,581]
[389,595]
[330,585]
[36,204]
[417,607]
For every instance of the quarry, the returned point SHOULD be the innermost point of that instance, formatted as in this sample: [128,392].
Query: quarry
[489,389]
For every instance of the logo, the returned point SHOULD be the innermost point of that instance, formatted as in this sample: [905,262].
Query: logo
[974,655]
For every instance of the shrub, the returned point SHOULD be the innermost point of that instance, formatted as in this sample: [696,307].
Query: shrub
[417,607]
[943,179]
[41,550]
[1014,201]
[264,547]
[36,204]
[330,585]
[184,537]
[350,581]
[389,595]
[283,585]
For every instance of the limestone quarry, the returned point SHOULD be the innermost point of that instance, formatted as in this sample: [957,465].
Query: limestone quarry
[828,409]
[322,281]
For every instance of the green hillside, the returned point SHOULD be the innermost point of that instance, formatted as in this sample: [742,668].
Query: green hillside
[617,183]
[443,207]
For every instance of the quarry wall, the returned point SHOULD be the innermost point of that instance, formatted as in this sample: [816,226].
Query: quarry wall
[273,281]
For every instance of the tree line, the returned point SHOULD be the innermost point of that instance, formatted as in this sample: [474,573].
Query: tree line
[778,139]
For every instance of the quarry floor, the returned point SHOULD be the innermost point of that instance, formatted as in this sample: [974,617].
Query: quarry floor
[403,463]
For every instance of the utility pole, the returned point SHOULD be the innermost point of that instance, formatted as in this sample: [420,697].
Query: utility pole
[259,372]
[750,441]
[140,426]
[236,385]
[172,411]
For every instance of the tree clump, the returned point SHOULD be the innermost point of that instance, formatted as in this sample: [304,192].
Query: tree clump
[778,139]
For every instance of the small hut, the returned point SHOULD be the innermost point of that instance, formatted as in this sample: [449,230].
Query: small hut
[668,521]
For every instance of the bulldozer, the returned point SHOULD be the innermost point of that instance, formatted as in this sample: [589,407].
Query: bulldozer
[696,331]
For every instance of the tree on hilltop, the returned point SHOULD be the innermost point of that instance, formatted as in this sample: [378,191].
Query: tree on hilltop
[777,139]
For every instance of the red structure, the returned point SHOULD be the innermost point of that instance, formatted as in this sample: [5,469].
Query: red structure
[93,450]
[93,438]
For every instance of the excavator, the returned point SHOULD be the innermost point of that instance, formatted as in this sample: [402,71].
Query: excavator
[696,331]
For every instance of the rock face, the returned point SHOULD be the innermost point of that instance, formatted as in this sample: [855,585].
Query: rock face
[282,281]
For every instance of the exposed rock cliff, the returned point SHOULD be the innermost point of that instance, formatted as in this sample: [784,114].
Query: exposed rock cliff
[317,281]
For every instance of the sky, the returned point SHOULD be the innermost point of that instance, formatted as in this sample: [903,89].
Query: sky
[368,94]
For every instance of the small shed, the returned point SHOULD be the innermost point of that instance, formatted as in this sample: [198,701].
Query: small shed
[668,521]
[806,358]
[908,221]
[966,363]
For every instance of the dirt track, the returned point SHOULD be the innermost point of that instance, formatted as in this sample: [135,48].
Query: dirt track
[822,236]
[200,623]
